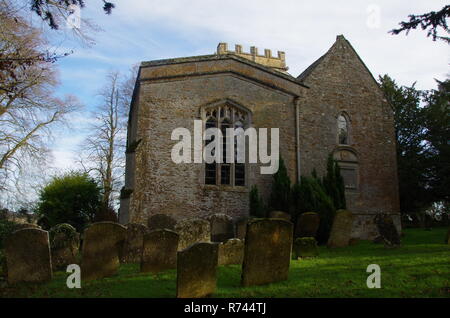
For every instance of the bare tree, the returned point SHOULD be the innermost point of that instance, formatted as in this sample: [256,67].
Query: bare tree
[28,108]
[104,148]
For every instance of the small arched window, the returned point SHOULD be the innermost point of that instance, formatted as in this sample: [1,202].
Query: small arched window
[223,116]
[343,130]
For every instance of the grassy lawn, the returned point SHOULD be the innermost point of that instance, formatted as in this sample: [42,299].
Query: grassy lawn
[420,268]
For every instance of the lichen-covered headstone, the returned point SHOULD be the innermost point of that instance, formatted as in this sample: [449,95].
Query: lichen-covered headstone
[161,221]
[27,253]
[222,227]
[280,215]
[267,251]
[341,229]
[231,252]
[159,251]
[196,270]
[305,247]
[102,243]
[307,224]
[64,245]
[132,246]
[192,231]
[387,230]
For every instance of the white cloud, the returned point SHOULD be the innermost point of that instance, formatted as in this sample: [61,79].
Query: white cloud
[303,29]
[141,30]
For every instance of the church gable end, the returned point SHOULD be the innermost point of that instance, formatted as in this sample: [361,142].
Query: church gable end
[344,94]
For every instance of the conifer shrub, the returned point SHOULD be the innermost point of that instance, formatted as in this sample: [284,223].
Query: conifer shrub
[310,195]
[280,197]
[257,208]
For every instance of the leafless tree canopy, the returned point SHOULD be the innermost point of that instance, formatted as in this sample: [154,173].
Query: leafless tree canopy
[29,109]
[103,152]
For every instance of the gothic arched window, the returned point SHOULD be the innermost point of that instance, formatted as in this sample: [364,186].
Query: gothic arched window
[225,115]
[343,129]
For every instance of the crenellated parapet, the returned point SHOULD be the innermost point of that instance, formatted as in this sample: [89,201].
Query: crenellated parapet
[278,63]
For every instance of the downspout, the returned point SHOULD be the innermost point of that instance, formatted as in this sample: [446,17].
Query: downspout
[297,134]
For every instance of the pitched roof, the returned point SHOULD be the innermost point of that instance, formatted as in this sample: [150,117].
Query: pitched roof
[310,68]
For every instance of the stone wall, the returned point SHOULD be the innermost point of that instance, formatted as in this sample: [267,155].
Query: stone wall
[340,82]
[160,185]
[170,94]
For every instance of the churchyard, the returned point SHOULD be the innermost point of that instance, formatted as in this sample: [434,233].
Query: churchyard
[257,258]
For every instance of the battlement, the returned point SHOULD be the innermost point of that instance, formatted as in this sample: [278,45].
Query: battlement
[278,63]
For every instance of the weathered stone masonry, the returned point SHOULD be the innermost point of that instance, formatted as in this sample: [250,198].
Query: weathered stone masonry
[172,93]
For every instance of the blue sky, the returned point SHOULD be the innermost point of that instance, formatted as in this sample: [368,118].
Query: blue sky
[141,30]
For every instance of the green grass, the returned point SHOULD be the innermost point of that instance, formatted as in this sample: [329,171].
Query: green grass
[419,268]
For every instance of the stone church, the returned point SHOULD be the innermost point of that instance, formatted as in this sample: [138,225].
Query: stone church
[334,106]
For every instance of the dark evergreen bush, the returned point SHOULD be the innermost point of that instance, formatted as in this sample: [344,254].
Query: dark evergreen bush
[257,208]
[310,195]
[333,184]
[281,190]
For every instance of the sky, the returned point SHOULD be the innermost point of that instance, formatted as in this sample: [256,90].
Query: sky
[143,30]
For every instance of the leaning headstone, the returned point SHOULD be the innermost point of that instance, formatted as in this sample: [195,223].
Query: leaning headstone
[64,245]
[305,247]
[387,230]
[192,231]
[132,246]
[159,251]
[196,270]
[267,251]
[161,221]
[307,225]
[222,227]
[102,244]
[27,253]
[231,252]
[280,215]
[341,229]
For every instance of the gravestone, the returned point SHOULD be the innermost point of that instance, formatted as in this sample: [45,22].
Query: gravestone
[241,228]
[132,246]
[64,245]
[307,224]
[387,230]
[27,253]
[192,231]
[267,251]
[21,226]
[196,270]
[305,247]
[341,229]
[231,252]
[161,221]
[159,251]
[222,227]
[280,215]
[102,243]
